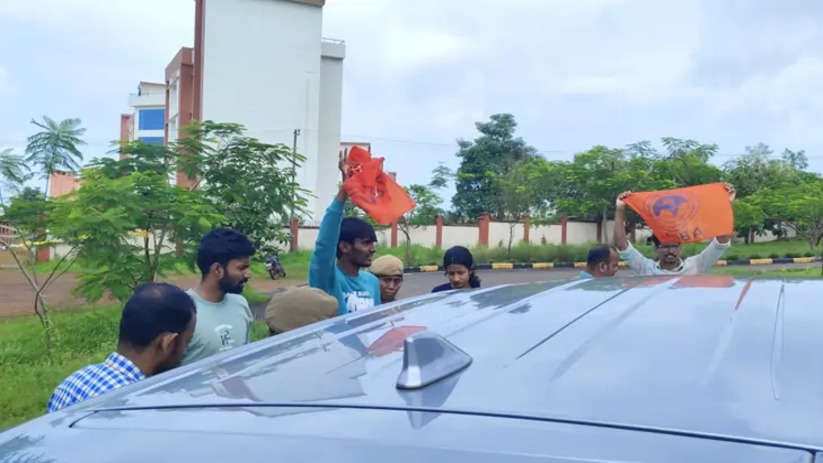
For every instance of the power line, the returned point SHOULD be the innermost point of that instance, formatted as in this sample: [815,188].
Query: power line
[370,138]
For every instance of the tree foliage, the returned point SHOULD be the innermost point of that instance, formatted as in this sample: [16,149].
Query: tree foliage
[29,214]
[55,147]
[128,223]
[14,172]
[441,177]
[245,179]
[796,206]
[425,213]
[518,197]
[757,170]
[483,160]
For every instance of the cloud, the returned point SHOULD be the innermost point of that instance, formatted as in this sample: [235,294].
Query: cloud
[417,75]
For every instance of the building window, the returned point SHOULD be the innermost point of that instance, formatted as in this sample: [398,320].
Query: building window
[151,119]
[152,140]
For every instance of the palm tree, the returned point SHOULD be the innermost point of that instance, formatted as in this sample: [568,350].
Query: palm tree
[55,148]
[13,171]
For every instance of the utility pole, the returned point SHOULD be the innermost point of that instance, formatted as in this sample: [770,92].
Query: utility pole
[293,180]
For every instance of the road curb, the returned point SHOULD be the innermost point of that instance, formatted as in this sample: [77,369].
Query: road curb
[502,266]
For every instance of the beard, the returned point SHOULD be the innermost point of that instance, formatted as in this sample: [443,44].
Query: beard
[229,286]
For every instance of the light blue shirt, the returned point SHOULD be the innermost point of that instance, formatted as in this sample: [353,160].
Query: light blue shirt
[353,293]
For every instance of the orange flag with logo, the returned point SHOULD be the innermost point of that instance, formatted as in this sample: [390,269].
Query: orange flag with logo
[685,215]
[373,190]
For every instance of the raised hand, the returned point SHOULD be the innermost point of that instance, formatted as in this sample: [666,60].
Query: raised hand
[732,191]
[343,163]
[620,201]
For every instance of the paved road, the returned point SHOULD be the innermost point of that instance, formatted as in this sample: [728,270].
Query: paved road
[415,284]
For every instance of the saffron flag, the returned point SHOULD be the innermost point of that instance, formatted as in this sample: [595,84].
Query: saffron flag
[685,215]
[373,190]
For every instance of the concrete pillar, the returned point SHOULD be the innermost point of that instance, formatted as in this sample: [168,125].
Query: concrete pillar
[394,234]
[483,229]
[295,230]
[438,236]
[43,253]
[563,229]
[527,222]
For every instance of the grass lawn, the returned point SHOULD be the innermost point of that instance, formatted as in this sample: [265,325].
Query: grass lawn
[754,272]
[297,263]
[29,375]
[82,337]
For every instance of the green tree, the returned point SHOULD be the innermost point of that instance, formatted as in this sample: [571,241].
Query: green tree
[441,177]
[678,148]
[427,209]
[519,195]
[748,218]
[28,215]
[244,179]
[489,156]
[586,187]
[126,221]
[798,207]
[684,162]
[13,172]
[55,147]
[797,159]
[756,170]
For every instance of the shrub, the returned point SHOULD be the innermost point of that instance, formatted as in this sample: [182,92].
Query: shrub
[774,255]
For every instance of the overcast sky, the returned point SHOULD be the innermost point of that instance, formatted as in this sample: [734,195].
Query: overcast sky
[417,75]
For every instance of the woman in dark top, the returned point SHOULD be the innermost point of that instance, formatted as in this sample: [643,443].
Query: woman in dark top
[459,265]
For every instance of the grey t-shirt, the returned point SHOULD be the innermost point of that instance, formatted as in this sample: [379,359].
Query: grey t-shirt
[220,326]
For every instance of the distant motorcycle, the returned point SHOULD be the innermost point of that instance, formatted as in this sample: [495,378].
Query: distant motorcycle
[275,268]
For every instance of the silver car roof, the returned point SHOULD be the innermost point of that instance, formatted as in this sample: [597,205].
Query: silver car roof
[704,354]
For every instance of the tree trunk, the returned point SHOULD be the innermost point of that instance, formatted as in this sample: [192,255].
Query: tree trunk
[511,238]
[604,235]
[39,302]
[408,245]
[45,320]
[147,255]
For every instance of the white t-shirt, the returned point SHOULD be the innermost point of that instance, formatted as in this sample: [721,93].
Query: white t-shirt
[693,265]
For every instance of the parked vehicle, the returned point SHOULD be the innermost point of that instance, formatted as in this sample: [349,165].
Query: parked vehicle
[274,268]
[696,369]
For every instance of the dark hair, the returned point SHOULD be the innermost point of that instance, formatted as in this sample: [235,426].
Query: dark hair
[222,245]
[155,308]
[462,256]
[655,240]
[599,253]
[353,228]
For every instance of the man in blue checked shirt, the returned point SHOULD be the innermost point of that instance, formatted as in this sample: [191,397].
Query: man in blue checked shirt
[155,329]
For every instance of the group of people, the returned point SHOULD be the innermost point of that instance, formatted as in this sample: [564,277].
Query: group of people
[342,263]
[163,326]
[603,260]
